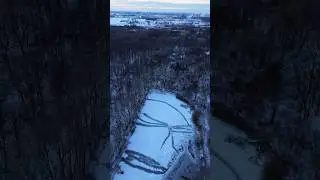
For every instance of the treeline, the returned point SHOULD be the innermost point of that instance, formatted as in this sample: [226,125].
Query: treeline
[138,39]
[53,77]
[266,61]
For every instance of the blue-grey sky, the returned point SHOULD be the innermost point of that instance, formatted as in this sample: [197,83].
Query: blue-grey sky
[202,6]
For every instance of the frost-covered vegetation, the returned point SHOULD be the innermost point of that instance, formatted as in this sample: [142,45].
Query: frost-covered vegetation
[171,59]
[266,80]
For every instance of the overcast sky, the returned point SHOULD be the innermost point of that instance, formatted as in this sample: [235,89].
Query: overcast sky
[202,6]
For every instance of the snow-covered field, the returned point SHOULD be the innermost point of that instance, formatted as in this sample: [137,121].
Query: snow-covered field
[162,141]
[157,20]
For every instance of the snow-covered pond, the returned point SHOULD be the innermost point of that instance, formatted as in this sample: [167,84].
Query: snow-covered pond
[162,144]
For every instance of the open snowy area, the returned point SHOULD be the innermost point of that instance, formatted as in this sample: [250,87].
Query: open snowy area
[158,20]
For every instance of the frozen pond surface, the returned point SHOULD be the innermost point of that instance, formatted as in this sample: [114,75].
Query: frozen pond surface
[163,136]
[160,146]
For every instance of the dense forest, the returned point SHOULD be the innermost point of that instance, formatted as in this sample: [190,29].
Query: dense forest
[53,88]
[265,80]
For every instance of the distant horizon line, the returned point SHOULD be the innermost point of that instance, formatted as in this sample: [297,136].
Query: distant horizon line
[150,11]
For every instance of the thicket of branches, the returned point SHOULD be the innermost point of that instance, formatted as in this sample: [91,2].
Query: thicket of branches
[53,89]
[266,57]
